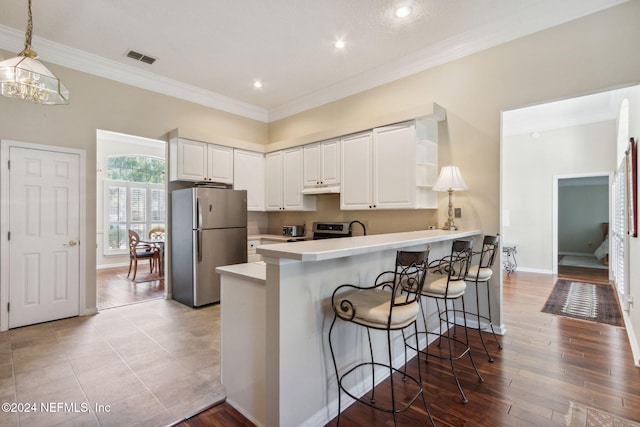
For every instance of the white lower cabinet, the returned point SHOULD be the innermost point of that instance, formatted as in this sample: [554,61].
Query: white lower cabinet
[252,245]
[252,256]
[391,167]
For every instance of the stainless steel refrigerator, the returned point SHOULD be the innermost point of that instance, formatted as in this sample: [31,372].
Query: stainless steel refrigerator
[208,229]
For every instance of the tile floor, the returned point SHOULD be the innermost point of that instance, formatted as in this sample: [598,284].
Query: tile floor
[146,364]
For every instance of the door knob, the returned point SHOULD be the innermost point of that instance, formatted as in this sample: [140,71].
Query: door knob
[71,243]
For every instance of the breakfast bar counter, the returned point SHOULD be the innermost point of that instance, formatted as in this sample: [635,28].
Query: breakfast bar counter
[275,361]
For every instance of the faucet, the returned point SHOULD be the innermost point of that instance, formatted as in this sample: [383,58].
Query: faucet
[364,229]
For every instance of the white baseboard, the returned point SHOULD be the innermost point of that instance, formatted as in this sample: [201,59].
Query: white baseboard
[633,341]
[534,270]
[120,264]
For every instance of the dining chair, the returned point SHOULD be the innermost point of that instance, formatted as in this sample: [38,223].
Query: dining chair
[156,233]
[158,236]
[139,251]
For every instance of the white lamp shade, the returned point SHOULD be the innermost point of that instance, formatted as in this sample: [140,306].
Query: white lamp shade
[450,179]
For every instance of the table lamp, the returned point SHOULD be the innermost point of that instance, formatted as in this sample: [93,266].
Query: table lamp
[450,180]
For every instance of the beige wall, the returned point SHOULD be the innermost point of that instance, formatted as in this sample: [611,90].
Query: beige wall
[528,170]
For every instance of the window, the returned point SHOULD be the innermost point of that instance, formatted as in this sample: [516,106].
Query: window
[134,199]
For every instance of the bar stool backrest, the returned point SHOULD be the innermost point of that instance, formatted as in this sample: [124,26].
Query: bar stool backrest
[460,259]
[409,275]
[489,251]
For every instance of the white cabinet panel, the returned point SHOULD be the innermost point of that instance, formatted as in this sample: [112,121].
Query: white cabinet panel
[292,179]
[391,167]
[357,172]
[219,164]
[273,166]
[284,181]
[188,160]
[249,174]
[394,173]
[322,163]
[198,161]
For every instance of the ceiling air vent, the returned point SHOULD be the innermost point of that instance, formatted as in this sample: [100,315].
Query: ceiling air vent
[140,57]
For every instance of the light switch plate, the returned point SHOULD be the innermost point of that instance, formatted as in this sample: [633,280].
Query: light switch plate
[457,212]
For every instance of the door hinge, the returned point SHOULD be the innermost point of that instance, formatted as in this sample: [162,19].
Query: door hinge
[8,306]
[8,164]
[9,235]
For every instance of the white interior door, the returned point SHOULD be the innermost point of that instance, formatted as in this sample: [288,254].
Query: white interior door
[44,227]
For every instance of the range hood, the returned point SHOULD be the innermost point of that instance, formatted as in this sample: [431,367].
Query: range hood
[334,189]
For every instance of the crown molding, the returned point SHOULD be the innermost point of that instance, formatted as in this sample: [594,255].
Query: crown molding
[76,59]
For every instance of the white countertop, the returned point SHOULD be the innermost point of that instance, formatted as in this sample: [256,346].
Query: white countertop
[253,270]
[319,250]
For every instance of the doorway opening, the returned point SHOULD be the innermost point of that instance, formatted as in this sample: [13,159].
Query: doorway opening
[130,195]
[582,206]
[571,138]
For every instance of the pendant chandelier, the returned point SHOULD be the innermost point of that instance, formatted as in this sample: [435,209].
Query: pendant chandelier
[26,78]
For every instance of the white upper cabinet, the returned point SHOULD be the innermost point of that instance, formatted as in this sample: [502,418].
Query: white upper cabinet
[219,164]
[322,164]
[198,161]
[391,167]
[273,181]
[188,160]
[284,181]
[357,172]
[394,166]
[248,174]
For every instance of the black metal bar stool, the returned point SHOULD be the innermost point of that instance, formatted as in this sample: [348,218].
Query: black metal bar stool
[385,306]
[446,290]
[481,273]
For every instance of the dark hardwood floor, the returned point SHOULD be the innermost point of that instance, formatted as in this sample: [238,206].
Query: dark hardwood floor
[584,274]
[547,362]
[114,288]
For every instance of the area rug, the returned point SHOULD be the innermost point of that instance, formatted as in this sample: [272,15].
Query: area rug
[596,302]
[586,416]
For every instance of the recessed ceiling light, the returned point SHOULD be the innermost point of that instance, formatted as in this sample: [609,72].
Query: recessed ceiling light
[339,44]
[403,11]
[257,84]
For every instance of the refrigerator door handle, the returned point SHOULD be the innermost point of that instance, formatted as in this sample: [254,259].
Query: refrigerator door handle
[198,213]
[199,244]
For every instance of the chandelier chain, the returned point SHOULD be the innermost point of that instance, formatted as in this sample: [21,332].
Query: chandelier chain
[27,41]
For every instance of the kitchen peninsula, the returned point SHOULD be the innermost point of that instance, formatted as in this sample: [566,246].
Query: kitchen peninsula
[275,362]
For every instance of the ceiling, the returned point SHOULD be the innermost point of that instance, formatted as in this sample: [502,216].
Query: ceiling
[211,52]
[565,113]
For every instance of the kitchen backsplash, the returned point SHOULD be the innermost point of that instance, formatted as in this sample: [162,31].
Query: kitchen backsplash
[376,221]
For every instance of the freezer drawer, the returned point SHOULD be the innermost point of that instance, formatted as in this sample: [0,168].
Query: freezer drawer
[214,248]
